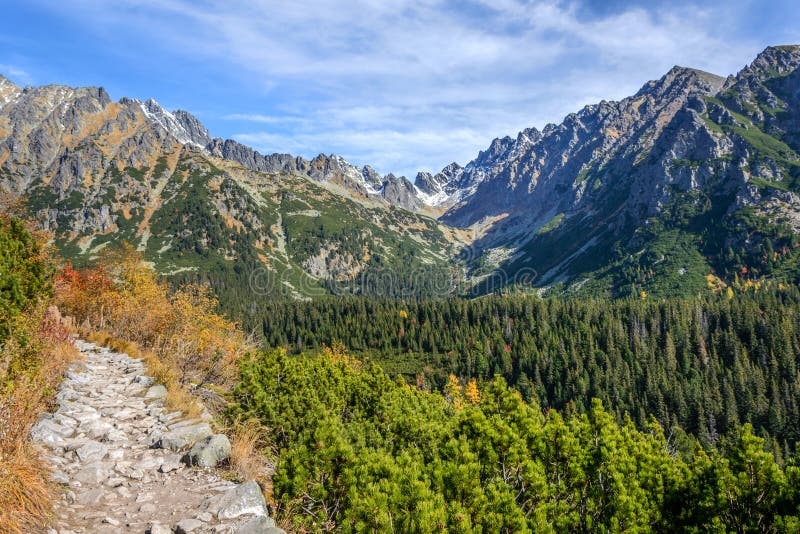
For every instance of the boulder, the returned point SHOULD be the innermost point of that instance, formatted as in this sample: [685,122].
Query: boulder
[244,499]
[186,436]
[145,381]
[94,473]
[50,432]
[149,462]
[209,451]
[158,528]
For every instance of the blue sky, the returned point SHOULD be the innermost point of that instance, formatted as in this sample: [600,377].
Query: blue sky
[401,85]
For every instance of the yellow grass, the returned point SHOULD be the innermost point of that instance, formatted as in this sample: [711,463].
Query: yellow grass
[25,491]
[187,346]
[247,460]
[36,357]
[251,459]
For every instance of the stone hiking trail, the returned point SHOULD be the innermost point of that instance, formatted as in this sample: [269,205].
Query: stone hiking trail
[122,459]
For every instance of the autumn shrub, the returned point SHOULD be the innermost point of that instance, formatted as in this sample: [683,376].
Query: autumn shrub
[35,351]
[186,341]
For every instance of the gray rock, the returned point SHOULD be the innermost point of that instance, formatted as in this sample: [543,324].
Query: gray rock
[96,429]
[145,381]
[185,526]
[92,451]
[156,392]
[92,496]
[94,473]
[149,462]
[205,517]
[183,437]
[115,434]
[115,482]
[244,499]
[60,477]
[209,451]
[167,417]
[193,128]
[158,528]
[171,463]
[400,191]
[259,525]
[50,432]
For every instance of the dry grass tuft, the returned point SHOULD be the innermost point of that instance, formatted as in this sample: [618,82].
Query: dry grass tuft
[253,459]
[36,356]
[25,491]
[247,459]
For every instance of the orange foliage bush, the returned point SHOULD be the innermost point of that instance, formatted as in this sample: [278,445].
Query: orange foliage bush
[125,298]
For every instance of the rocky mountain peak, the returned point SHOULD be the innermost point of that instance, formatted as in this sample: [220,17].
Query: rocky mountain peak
[8,90]
[183,126]
[774,61]
[682,80]
[198,133]
[398,190]
[371,177]
[439,189]
[6,83]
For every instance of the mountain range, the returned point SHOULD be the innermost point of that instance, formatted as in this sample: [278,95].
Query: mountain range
[690,184]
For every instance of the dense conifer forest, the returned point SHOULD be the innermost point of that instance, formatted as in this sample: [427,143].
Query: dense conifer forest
[705,365]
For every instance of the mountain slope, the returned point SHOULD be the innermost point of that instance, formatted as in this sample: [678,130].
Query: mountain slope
[690,183]
[96,173]
[692,175]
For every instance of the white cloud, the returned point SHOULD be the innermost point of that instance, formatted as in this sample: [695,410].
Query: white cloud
[409,84]
[264,119]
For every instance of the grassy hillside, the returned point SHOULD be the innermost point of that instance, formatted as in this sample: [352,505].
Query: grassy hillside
[249,234]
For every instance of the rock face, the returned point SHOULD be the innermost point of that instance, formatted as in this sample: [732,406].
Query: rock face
[51,129]
[399,191]
[445,187]
[537,169]
[121,484]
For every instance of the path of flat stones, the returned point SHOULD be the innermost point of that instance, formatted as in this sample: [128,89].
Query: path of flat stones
[117,454]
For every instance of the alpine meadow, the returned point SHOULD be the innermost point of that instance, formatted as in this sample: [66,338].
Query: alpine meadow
[591,326]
